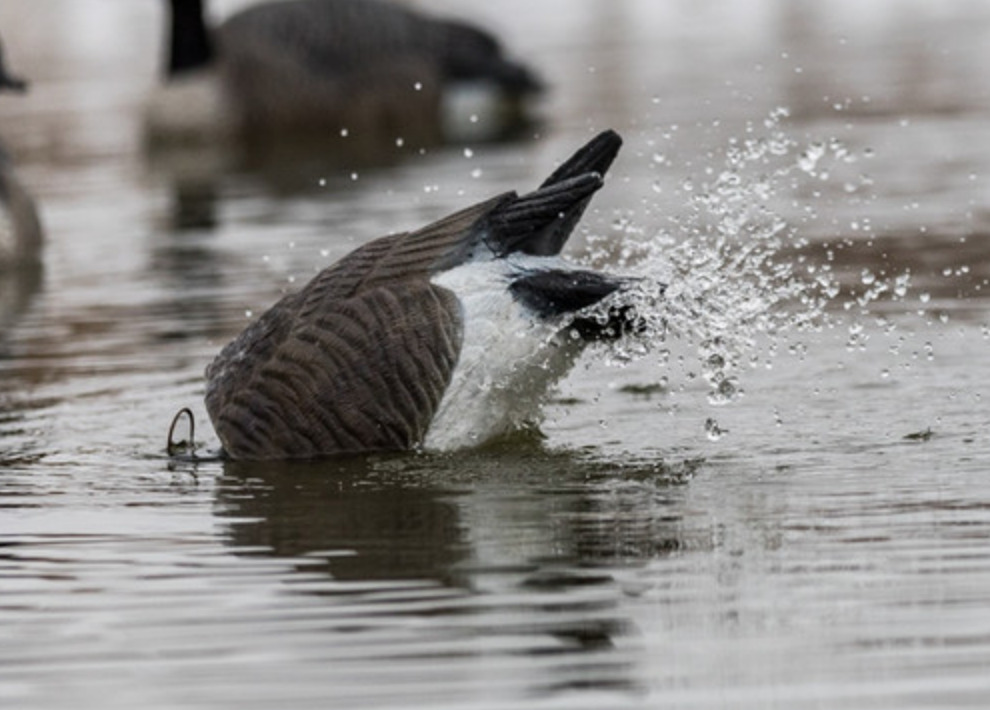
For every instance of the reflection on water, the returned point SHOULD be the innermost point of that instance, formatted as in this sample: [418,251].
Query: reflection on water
[446,534]
[17,289]
[367,528]
[828,550]
[400,518]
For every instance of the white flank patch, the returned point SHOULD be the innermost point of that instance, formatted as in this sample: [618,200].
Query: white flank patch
[509,358]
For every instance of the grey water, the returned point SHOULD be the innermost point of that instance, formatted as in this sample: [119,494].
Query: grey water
[815,534]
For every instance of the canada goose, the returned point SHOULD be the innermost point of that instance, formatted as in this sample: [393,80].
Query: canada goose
[443,337]
[20,228]
[364,68]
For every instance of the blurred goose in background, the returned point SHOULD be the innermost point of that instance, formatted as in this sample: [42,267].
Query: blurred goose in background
[366,69]
[20,228]
[443,337]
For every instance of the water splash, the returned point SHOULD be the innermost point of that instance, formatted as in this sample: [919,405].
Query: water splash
[736,285]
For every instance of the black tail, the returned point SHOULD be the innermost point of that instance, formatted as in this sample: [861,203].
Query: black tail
[540,222]
[595,156]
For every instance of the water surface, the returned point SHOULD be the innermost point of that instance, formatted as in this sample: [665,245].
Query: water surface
[821,543]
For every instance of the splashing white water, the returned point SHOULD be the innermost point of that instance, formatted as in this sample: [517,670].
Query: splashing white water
[732,292]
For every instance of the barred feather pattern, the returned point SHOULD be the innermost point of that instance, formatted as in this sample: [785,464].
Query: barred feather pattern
[357,361]
[363,374]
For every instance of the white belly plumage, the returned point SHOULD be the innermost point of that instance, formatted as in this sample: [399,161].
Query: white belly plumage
[509,358]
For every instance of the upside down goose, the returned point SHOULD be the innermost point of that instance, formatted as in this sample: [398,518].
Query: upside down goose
[441,338]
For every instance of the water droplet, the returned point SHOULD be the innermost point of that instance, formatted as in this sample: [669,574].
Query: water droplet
[713,430]
[731,293]
[418,86]
[810,157]
[468,153]
[399,142]
[344,133]
[725,391]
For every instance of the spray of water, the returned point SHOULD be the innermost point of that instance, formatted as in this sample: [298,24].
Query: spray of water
[731,290]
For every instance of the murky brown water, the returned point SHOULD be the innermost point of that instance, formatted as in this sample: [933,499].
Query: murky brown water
[829,550]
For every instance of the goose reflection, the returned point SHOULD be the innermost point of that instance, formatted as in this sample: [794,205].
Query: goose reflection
[368,525]
[520,545]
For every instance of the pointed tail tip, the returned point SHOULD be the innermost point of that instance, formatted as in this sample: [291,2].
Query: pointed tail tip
[603,148]
[610,137]
[606,142]
[595,156]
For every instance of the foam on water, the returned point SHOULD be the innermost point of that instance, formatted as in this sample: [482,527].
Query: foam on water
[738,289]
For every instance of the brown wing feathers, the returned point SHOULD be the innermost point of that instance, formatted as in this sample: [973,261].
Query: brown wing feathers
[356,361]
[365,375]
[359,359]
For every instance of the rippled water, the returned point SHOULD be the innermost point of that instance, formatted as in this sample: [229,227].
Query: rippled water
[819,541]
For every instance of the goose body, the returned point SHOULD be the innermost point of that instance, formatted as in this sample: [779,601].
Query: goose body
[365,67]
[20,228]
[442,338]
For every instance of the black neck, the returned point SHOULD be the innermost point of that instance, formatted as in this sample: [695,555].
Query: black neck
[190,47]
